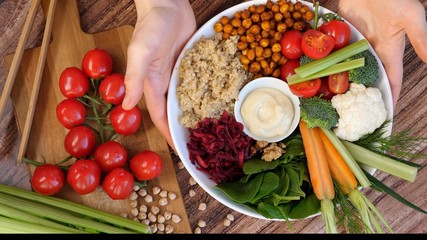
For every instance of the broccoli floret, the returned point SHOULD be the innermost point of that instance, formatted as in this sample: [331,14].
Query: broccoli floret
[304,60]
[368,74]
[318,112]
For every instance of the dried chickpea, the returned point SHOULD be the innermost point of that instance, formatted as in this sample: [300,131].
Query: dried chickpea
[218,27]
[224,20]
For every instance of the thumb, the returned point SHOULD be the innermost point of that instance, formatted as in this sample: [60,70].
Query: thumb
[416,29]
[136,71]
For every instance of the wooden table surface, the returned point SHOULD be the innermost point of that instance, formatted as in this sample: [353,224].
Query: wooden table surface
[96,16]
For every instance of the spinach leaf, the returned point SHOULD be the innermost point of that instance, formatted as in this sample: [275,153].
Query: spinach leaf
[242,192]
[256,165]
[306,207]
[268,185]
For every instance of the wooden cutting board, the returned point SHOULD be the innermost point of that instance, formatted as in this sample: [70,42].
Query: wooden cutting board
[67,47]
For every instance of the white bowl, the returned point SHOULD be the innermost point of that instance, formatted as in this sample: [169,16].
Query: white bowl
[274,83]
[180,134]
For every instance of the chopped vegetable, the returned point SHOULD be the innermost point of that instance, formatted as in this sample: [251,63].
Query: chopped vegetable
[352,164]
[367,74]
[320,176]
[318,112]
[63,212]
[347,183]
[336,68]
[333,58]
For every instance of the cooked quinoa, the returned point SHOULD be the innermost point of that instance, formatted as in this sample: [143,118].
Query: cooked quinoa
[210,76]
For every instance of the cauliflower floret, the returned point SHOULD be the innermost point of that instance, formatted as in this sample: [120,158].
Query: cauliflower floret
[361,110]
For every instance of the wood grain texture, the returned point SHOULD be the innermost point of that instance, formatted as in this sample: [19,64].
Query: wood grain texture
[97,16]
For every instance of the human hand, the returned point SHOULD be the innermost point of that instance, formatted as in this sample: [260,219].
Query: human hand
[385,23]
[161,31]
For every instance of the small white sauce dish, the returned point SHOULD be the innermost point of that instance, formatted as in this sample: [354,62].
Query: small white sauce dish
[266,83]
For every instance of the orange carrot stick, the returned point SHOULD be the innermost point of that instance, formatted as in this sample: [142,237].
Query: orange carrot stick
[339,169]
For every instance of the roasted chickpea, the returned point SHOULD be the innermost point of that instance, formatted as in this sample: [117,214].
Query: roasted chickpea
[246,14]
[255,67]
[276,73]
[289,22]
[264,64]
[234,32]
[225,35]
[267,53]
[218,27]
[241,31]
[282,60]
[281,27]
[259,51]
[269,4]
[258,37]
[297,15]
[284,8]
[245,60]
[252,8]
[265,16]
[276,57]
[250,37]
[278,17]
[238,15]
[297,5]
[260,8]
[228,28]
[250,54]
[236,22]
[277,36]
[242,45]
[264,42]
[291,7]
[275,8]
[253,45]
[224,20]
[308,16]
[300,26]
[265,25]
[255,29]
[265,34]
[247,23]
[276,48]
[303,9]
[255,17]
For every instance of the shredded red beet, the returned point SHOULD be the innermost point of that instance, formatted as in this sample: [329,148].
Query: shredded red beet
[219,147]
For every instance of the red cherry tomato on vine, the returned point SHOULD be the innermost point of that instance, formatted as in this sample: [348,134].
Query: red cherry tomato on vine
[306,89]
[47,179]
[110,155]
[316,44]
[70,112]
[125,122]
[338,83]
[73,83]
[146,165]
[340,30]
[97,63]
[80,141]
[291,44]
[84,176]
[118,184]
[112,88]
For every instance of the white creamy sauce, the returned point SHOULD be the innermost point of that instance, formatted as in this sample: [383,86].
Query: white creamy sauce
[267,112]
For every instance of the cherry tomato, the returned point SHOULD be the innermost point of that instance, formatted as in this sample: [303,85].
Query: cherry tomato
[112,88]
[340,30]
[47,179]
[84,176]
[306,89]
[80,141]
[338,83]
[291,44]
[146,165]
[97,63]
[316,44]
[73,83]
[125,122]
[70,112]
[110,155]
[118,184]
[288,69]
[324,90]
